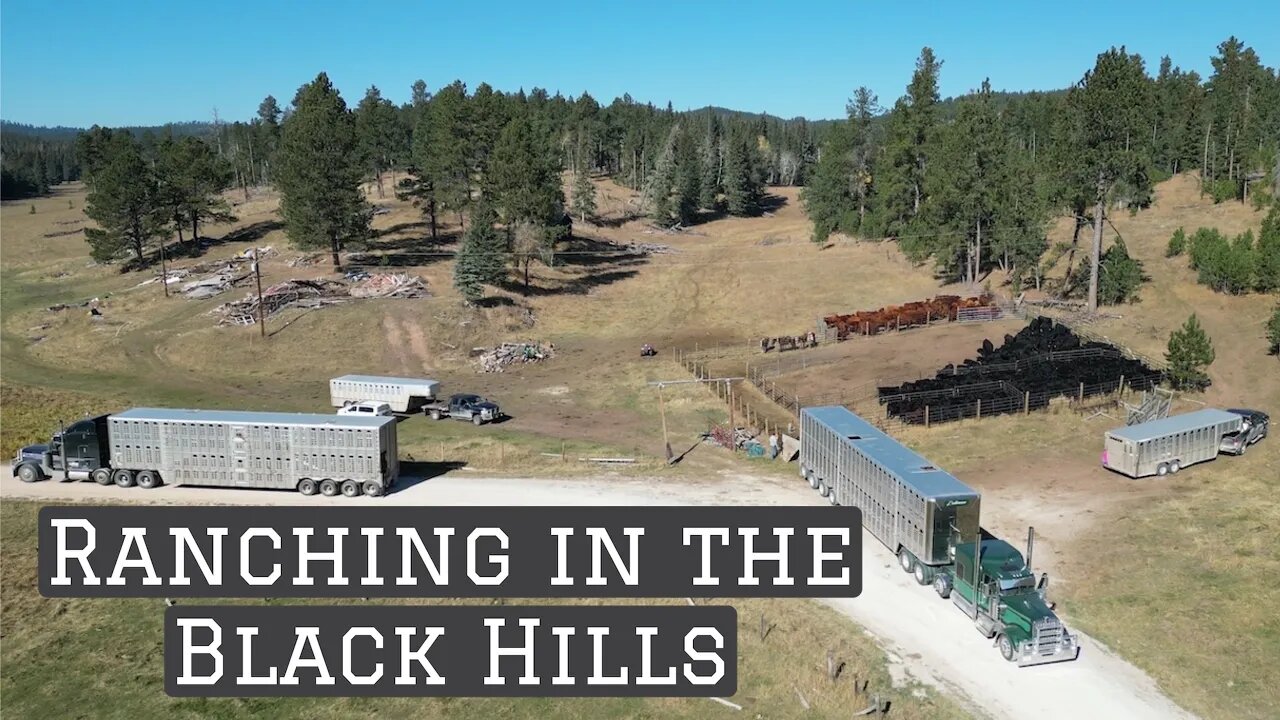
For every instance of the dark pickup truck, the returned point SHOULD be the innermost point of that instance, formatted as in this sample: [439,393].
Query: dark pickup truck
[464,407]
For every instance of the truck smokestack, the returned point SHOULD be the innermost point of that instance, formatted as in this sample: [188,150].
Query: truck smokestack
[1031,543]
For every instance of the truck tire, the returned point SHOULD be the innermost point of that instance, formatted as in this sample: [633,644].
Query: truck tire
[123,478]
[373,489]
[1175,466]
[350,488]
[328,488]
[942,585]
[823,490]
[307,486]
[102,476]
[831,498]
[1162,469]
[923,573]
[435,415]
[813,479]
[905,560]
[29,473]
[477,420]
[148,479]
[1006,648]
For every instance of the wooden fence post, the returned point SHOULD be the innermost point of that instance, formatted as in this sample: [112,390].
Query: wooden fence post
[979,408]
[1081,397]
[562,458]
[926,416]
[1120,387]
[1026,402]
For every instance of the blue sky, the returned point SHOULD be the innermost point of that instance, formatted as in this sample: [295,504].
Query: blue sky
[121,63]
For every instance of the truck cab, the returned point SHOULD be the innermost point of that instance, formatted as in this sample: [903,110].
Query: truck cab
[1006,602]
[72,454]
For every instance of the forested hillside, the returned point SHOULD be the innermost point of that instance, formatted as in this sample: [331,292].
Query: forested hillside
[972,184]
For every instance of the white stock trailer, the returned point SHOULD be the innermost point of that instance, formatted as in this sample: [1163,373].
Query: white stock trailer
[1165,446]
[147,447]
[914,508]
[402,394]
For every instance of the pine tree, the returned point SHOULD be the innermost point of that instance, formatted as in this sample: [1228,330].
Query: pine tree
[480,259]
[1107,116]
[1119,277]
[1273,332]
[319,172]
[829,197]
[1267,277]
[124,201]
[525,185]
[377,133]
[688,178]
[911,130]
[662,181]
[192,179]
[584,195]
[443,153]
[712,162]
[1190,352]
[964,186]
[743,185]
[1177,243]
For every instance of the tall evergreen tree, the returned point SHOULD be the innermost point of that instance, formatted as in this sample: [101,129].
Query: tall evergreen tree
[1108,117]
[480,260]
[525,185]
[583,203]
[688,183]
[125,199]
[445,154]
[743,184]
[377,133]
[965,188]
[662,181]
[712,164]
[1190,352]
[911,129]
[319,172]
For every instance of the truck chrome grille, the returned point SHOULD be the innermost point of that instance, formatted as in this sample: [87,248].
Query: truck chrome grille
[1046,636]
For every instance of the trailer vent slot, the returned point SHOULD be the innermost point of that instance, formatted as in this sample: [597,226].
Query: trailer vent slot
[855,437]
[927,468]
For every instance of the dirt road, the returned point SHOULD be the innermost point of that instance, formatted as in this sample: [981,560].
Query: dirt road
[925,636]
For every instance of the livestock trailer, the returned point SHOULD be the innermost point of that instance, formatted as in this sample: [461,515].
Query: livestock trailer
[402,394]
[1167,445]
[919,511]
[147,447]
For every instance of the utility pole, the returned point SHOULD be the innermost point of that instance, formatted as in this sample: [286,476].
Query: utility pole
[257,277]
[662,408]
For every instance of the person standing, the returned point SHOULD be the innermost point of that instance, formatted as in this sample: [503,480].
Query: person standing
[773,445]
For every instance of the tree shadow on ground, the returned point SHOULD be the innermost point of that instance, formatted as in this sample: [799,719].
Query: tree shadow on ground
[197,247]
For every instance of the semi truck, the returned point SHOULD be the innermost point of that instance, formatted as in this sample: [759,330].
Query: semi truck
[402,394]
[148,447]
[1165,446]
[930,520]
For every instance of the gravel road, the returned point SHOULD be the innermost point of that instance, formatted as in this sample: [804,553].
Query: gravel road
[925,636]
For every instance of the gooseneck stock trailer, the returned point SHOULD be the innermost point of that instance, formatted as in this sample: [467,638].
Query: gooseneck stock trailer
[1165,446]
[147,447]
[930,520]
[402,394]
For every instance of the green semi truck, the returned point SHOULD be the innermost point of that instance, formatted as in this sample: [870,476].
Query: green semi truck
[929,519]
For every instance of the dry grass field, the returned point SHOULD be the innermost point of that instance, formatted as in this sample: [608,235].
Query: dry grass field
[1176,575]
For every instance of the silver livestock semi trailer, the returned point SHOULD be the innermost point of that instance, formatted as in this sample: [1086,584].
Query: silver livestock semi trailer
[402,394]
[919,511]
[147,447]
[1165,446]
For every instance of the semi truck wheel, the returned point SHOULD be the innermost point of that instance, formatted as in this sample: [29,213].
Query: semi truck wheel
[823,490]
[29,473]
[350,488]
[1006,648]
[905,561]
[1175,466]
[307,486]
[373,489]
[813,479]
[148,479]
[328,488]
[923,573]
[942,585]
[1162,469]
[102,476]
[123,478]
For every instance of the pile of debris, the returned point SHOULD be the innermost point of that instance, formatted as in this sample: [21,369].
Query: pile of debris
[310,294]
[491,360]
[735,438]
[382,285]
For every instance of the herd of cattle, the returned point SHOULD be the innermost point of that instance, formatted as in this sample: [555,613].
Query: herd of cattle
[893,317]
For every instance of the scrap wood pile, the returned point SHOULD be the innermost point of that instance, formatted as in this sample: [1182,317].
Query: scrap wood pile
[893,317]
[318,293]
[491,360]
[734,438]
[213,277]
